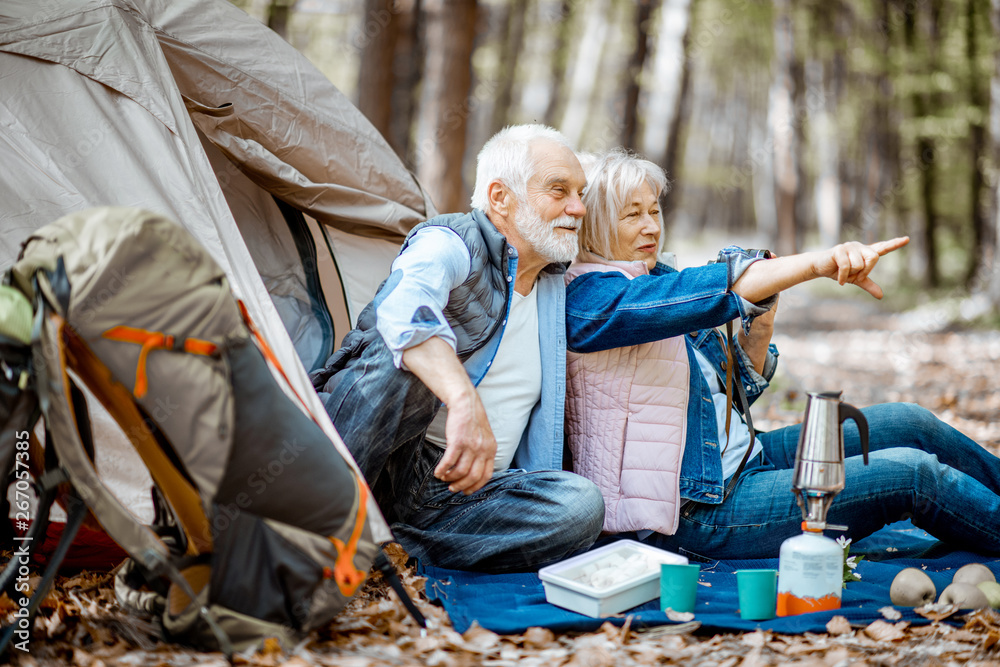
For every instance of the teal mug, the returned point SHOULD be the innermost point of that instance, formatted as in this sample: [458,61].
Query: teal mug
[678,586]
[758,593]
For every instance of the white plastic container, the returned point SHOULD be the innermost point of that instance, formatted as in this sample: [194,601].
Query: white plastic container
[810,574]
[571,583]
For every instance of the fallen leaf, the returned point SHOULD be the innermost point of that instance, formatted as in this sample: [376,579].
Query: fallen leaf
[987,619]
[882,631]
[592,656]
[937,611]
[623,634]
[6,604]
[296,661]
[801,648]
[479,639]
[271,646]
[836,656]
[441,658]
[753,658]
[838,625]
[426,644]
[890,613]
[81,658]
[679,616]
[537,637]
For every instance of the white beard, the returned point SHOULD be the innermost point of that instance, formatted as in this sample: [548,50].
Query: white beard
[543,237]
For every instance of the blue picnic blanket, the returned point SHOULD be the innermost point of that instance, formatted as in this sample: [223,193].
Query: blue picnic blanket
[511,603]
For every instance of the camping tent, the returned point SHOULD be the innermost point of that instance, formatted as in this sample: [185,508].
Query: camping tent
[192,109]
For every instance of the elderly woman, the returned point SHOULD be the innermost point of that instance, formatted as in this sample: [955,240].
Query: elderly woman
[649,421]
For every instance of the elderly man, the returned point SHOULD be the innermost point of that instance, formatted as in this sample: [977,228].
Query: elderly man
[472,316]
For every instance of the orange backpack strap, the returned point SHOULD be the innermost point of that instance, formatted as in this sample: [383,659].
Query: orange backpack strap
[156,340]
[180,491]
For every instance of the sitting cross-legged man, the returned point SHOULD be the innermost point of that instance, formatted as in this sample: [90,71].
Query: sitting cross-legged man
[473,316]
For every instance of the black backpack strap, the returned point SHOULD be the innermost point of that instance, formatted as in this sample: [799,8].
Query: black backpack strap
[742,404]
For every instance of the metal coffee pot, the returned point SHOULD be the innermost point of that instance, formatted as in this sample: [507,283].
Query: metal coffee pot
[819,459]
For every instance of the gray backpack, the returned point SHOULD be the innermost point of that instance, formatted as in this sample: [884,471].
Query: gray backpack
[261,528]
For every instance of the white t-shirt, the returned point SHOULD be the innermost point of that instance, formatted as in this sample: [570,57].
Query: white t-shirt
[512,385]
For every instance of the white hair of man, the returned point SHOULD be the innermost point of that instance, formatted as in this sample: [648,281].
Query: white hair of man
[506,157]
[612,181]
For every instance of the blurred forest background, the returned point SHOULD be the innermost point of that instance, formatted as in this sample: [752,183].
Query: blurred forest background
[791,123]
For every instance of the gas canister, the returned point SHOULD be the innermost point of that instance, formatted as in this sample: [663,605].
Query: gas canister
[810,573]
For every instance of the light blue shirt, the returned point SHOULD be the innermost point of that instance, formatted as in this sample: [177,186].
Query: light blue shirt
[435,261]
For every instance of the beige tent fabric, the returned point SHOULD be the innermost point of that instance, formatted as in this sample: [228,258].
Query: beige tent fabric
[122,133]
[288,128]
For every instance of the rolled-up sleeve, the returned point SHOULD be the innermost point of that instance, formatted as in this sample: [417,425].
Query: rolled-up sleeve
[737,261]
[410,306]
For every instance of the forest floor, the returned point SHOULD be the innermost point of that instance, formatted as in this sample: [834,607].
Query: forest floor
[855,346]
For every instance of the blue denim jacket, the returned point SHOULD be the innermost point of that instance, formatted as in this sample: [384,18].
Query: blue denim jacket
[605,310]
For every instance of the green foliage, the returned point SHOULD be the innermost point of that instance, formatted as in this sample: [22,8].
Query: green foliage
[722,28]
[850,562]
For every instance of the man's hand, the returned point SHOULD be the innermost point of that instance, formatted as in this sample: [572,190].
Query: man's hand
[467,463]
[852,262]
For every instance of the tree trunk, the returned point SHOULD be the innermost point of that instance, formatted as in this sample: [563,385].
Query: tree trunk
[277,17]
[511,45]
[925,147]
[559,60]
[877,191]
[977,144]
[375,75]
[784,129]
[660,102]
[407,68]
[826,196]
[586,62]
[637,62]
[993,280]
[674,150]
[444,100]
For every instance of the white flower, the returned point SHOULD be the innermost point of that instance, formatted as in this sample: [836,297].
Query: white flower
[844,542]
[852,562]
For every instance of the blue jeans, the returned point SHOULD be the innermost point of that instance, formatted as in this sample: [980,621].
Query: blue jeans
[518,521]
[919,468]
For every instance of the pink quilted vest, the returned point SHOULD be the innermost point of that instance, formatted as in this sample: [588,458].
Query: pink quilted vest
[626,412]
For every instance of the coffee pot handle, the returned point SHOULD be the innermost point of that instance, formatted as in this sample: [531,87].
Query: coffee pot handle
[850,412]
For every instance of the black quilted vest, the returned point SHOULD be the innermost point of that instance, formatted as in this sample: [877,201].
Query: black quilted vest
[382,412]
